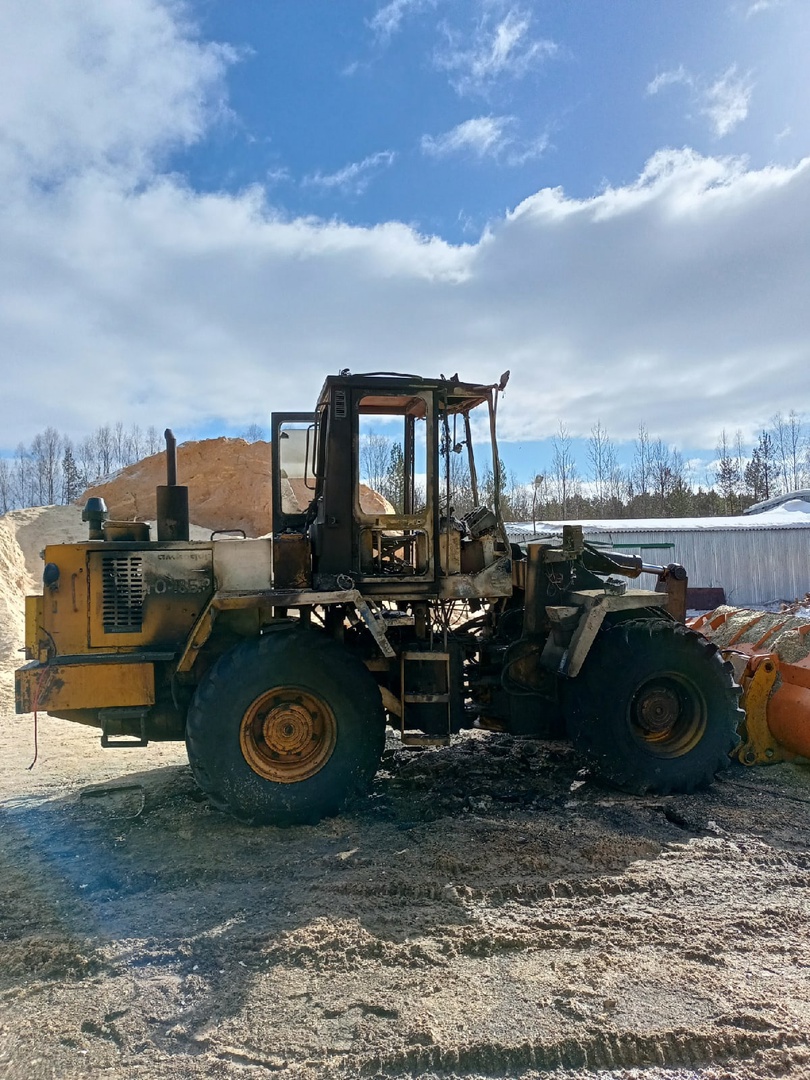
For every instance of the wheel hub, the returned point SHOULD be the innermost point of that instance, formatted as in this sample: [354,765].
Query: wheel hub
[658,710]
[668,716]
[287,735]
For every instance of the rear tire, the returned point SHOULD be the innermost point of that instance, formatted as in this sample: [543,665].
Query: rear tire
[284,728]
[655,708]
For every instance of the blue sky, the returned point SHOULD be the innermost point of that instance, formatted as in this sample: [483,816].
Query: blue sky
[553,94]
[207,207]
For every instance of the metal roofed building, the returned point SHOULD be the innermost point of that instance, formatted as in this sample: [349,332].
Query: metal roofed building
[757,559]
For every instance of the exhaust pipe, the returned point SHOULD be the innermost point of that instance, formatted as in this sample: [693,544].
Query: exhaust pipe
[172,498]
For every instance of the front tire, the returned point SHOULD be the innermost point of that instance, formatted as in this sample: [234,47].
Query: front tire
[285,728]
[655,708]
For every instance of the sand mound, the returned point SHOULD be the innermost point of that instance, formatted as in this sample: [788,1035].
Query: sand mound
[13,584]
[23,536]
[228,484]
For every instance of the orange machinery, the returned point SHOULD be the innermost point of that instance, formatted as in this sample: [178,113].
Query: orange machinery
[770,653]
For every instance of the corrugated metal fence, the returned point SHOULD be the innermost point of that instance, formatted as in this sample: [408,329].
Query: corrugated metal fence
[753,565]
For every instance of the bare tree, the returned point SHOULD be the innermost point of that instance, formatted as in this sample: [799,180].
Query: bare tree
[6,500]
[153,443]
[741,458]
[375,457]
[602,464]
[641,470]
[664,469]
[618,490]
[46,451]
[87,458]
[518,500]
[119,445]
[564,475]
[460,483]
[23,484]
[795,441]
[105,449]
[136,443]
[253,433]
[788,440]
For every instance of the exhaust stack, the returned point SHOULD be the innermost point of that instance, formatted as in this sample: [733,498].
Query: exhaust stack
[172,498]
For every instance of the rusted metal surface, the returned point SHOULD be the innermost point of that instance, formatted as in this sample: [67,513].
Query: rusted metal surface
[594,606]
[53,686]
[291,561]
[288,734]
[172,498]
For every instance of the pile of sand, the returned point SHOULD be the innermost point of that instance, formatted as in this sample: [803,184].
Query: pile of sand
[23,536]
[229,487]
[228,484]
[768,631]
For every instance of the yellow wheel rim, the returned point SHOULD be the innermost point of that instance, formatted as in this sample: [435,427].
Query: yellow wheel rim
[668,715]
[287,735]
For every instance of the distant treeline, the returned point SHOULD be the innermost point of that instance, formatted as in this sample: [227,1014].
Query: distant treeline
[54,469]
[656,483]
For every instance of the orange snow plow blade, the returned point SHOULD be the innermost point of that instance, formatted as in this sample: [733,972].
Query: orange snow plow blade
[770,653]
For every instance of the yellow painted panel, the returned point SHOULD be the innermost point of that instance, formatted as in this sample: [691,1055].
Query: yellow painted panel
[84,686]
[33,624]
[64,613]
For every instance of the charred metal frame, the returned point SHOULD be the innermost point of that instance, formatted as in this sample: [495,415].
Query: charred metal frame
[340,531]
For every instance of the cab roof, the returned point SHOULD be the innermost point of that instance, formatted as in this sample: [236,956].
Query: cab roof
[391,391]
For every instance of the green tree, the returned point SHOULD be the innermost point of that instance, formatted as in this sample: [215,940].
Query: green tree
[72,480]
[761,469]
[727,473]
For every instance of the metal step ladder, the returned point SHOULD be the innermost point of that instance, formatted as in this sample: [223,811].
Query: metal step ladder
[409,697]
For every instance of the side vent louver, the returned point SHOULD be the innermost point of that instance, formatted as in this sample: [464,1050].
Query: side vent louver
[123,594]
[340,404]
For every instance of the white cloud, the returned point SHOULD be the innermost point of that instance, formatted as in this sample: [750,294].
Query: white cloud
[104,83]
[675,299]
[483,137]
[355,177]
[723,102]
[387,20]
[669,78]
[278,175]
[671,300]
[504,49]
[763,5]
[726,101]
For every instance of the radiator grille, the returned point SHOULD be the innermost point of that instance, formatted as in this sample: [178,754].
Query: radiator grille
[122,594]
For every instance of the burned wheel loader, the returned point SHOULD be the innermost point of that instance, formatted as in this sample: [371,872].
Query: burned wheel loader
[280,661]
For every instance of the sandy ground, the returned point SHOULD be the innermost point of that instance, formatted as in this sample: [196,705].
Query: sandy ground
[484,913]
